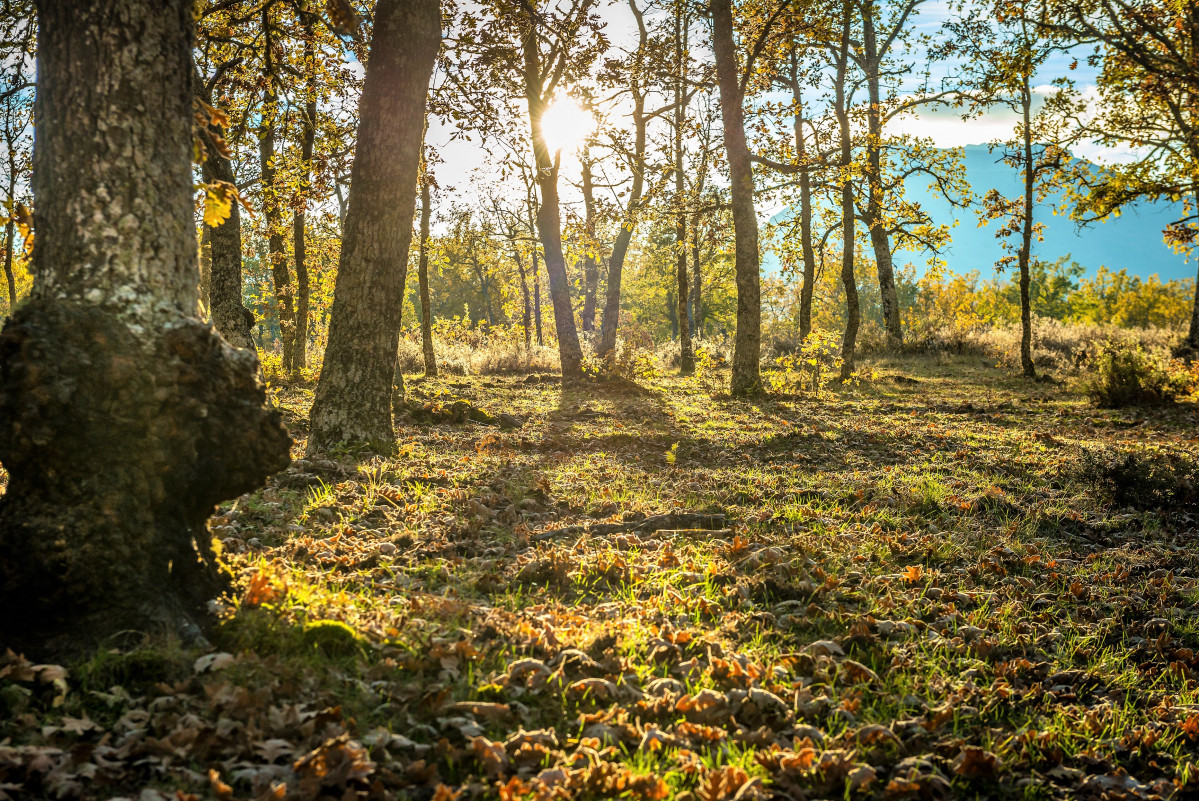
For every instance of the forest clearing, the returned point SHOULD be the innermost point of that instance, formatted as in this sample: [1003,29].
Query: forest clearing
[539,400]
[937,584]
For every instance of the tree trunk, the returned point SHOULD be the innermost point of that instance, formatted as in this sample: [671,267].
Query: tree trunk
[536,274]
[849,281]
[1025,252]
[225,307]
[353,397]
[9,233]
[620,248]
[118,407]
[307,140]
[874,219]
[280,274]
[590,260]
[686,355]
[549,221]
[697,308]
[526,310]
[746,379]
[805,205]
[422,274]
[1190,346]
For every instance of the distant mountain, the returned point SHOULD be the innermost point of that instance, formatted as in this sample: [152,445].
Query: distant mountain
[1132,241]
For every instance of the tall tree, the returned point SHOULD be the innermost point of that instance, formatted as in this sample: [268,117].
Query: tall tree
[591,258]
[299,216]
[746,377]
[686,355]
[117,405]
[353,397]
[422,270]
[853,312]
[271,202]
[223,259]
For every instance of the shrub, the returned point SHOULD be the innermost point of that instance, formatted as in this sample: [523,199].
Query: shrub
[1144,479]
[813,367]
[1124,376]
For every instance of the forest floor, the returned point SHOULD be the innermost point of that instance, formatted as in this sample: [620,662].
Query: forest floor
[945,582]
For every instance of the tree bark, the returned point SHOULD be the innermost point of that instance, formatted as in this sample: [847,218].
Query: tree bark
[590,259]
[1190,346]
[526,308]
[307,141]
[549,220]
[225,307]
[620,248]
[9,233]
[805,204]
[880,240]
[746,378]
[280,274]
[118,407]
[422,275]
[686,355]
[1024,255]
[353,397]
[853,312]
[697,307]
[536,273]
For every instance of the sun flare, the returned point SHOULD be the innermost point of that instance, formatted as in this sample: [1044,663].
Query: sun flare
[565,124]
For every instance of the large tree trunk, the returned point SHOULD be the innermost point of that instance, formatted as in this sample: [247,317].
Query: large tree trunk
[307,141]
[1024,255]
[880,240]
[353,398]
[853,313]
[123,418]
[272,216]
[422,275]
[805,204]
[746,377]
[224,288]
[591,258]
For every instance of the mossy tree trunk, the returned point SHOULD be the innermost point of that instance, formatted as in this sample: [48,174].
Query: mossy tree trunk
[123,418]
[353,397]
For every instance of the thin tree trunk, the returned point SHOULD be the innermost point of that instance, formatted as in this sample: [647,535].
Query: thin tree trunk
[697,308]
[422,274]
[1025,252]
[620,248]
[526,310]
[880,240]
[307,141]
[549,222]
[536,274]
[805,205]
[1190,344]
[746,378]
[117,405]
[686,355]
[9,233]
[353,398]
[590,259]
[849,281]
[280,273]
[226,308]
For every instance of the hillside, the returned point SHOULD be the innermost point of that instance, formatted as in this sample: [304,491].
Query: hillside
[1132,241]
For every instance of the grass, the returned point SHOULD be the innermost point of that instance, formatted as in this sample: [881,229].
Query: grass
[924,592]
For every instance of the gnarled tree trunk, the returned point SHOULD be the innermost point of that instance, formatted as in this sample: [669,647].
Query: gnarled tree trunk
[272,216]
[353,398]
[307,141]
[119,409]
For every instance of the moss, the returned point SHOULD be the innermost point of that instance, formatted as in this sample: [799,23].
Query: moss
[133,670]
[332,637]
